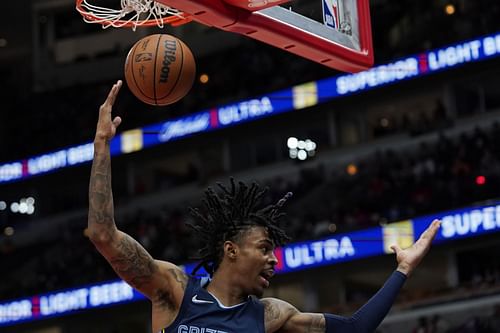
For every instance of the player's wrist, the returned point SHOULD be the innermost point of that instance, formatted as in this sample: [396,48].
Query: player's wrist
[404,268]
[100,142]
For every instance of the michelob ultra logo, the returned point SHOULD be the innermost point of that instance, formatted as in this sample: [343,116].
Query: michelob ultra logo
[317,252]
[244,111]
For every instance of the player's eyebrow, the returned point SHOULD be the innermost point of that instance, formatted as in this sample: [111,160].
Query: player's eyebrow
[267,240]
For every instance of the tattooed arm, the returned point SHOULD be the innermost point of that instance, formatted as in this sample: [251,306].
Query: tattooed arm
[280,316]
[162,282]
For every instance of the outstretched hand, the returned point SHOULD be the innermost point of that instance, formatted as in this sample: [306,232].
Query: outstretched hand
[106,128]
[408,259]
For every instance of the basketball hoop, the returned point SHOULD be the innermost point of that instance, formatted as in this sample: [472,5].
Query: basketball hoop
[139,12]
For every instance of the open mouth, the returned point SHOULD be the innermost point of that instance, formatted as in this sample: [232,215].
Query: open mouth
[266,276]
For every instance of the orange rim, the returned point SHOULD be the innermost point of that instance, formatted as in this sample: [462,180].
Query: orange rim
[172,20]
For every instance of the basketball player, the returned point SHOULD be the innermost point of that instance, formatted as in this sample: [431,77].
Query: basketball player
[238,242]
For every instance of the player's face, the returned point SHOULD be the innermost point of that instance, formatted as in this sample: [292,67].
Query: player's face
[256,261]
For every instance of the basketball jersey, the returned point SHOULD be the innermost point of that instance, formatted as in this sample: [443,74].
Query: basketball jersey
[201,312]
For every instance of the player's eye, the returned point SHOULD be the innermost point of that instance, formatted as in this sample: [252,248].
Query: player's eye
[266,249]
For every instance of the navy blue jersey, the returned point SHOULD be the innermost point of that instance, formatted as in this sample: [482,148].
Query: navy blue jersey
[201,312]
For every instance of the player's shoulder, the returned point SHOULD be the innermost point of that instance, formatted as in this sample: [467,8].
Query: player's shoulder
[276,302]
[174,275]
[168,267]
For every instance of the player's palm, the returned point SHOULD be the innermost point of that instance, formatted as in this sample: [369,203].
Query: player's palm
[409,258]
[106,128]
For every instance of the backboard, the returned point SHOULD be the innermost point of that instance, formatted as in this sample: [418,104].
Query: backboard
[335,33]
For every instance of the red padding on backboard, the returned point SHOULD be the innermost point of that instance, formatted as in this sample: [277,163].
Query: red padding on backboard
[258,26]
[214,13]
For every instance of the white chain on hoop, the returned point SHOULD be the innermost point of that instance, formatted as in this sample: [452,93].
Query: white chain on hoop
[115,17]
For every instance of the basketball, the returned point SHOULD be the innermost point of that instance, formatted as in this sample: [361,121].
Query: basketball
[160,69]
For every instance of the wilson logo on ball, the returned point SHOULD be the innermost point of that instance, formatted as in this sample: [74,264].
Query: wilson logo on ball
[168,58]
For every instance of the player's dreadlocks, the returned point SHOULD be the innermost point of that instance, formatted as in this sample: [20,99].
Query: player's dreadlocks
[229,215]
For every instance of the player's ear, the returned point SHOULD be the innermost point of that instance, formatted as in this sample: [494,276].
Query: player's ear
[230,249]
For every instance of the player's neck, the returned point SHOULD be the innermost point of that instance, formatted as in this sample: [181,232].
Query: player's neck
[225,290]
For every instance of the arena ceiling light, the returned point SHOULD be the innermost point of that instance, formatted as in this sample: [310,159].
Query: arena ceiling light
[8,231]
[301,149]
[24,206]
[449,9]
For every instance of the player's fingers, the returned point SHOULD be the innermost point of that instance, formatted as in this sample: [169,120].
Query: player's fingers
[395,248]
[117,121]
[425,240]
[431,231]
[106,106]
[110,100]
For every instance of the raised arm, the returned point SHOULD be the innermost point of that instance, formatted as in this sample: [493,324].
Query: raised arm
[160,281]
[282,317]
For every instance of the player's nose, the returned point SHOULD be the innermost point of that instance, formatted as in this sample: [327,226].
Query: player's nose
[273,259]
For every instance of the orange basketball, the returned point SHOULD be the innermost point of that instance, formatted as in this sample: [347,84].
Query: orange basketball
[160,69]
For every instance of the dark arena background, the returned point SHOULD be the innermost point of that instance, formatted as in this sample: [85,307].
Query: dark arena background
[376,156]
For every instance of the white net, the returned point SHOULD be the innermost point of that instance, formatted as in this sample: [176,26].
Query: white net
[133,13]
